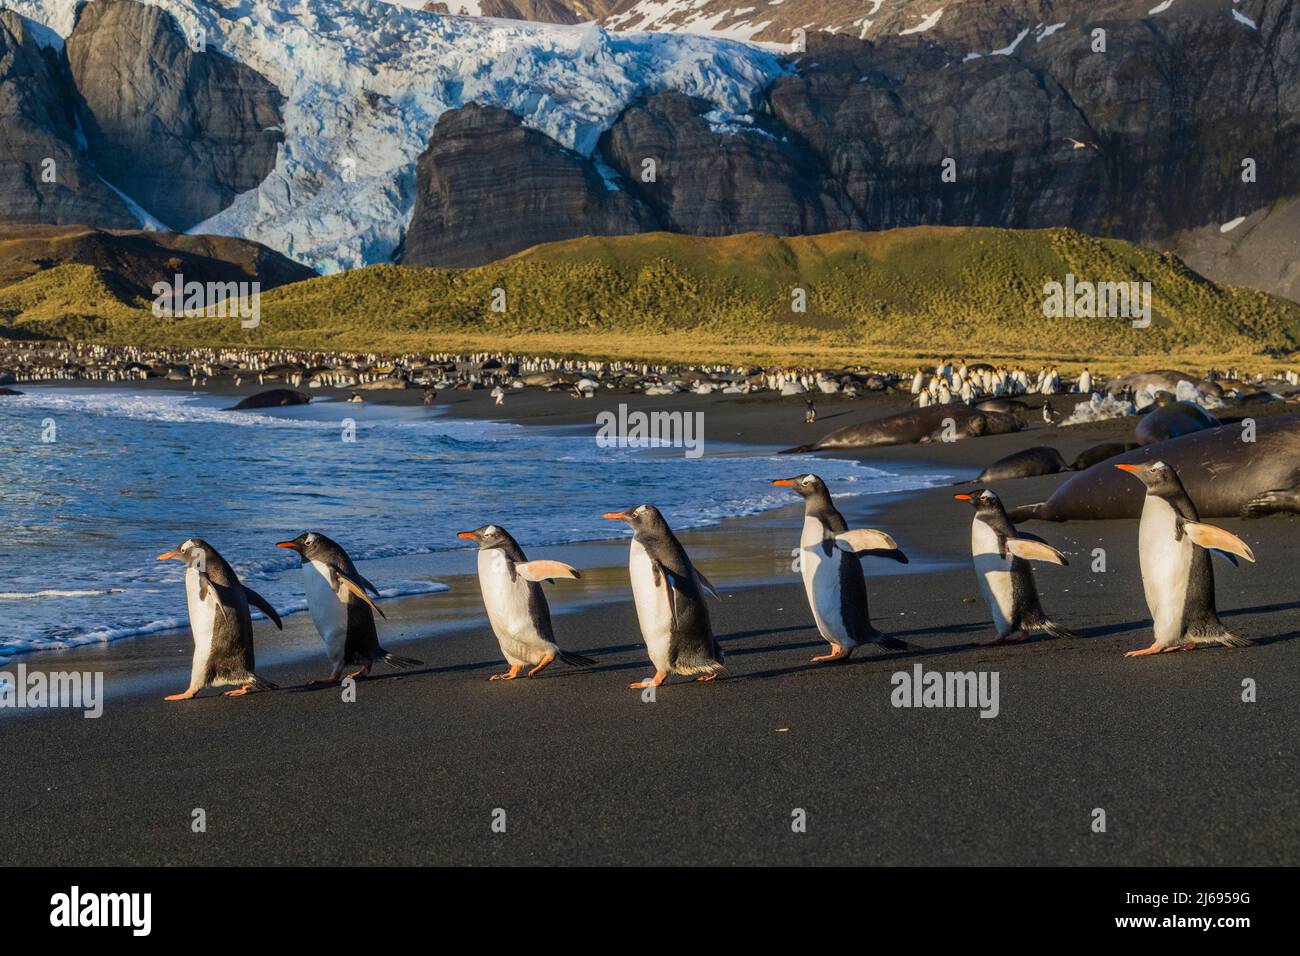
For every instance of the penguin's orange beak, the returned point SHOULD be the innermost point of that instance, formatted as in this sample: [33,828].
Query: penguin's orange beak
[465,534]
[168,555]
[963,497]
[783,481]
[287,544]
[1128,468]
[614,516]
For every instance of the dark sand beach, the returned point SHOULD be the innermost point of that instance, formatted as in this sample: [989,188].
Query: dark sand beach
[587,771]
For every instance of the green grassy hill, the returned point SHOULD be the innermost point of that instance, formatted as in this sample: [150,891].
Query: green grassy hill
[901,293]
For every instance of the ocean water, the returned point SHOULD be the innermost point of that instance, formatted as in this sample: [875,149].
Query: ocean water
[130,474]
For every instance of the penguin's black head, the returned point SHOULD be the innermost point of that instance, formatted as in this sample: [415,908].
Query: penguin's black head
[982,499]
[1160,478]
[309,545]
[195,552]
[640,518]
[488,536]
[804,485]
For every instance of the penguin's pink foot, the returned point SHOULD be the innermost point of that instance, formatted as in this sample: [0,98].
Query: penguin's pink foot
[542,665]
[705,678]
[1153,649]
[508,675]
[837,654]
[659,678]
[238,693]
[188,695]
[364,672]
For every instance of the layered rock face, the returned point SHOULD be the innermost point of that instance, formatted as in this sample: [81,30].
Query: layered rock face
[488,186]
[44,178]
[182,132]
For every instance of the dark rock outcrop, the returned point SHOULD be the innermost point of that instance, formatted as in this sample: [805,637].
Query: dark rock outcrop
[272,398]
[488,186]
[38,140]
[181,132]
[714,177]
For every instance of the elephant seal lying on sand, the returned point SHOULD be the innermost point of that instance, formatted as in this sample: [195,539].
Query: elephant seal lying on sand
[272,398]
[933,423]
[1224,476]
[1040,460]
[1169,418]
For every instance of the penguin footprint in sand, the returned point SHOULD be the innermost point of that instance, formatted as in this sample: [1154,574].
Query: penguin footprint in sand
[219,621]
[1001,555]
[342,611]
[1174,554]
[516,605]
[830,562]
[669,595]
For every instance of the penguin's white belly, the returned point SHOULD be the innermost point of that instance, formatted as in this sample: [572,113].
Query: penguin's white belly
[507,609]
[652,608]
[1166,569]
[994,574]
[203,621]
[328,612]
[821,581]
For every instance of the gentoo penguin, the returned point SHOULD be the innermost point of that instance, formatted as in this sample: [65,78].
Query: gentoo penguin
[219,621]
[1002,554]
[669,595]
[516,605]
[1175,563]
[829,559]
[340,607]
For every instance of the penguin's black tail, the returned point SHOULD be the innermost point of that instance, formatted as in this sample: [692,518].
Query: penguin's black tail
[1027,512]
[403,662]
[575,660]
[801,450]
[261,683]
[894,644]
[1051,627]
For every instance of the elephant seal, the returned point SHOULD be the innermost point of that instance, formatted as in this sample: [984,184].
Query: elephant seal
[1040,460]
[1009,405]
[1090,456]
[1170,418]
[272,398]
[1224,475]
[917,425]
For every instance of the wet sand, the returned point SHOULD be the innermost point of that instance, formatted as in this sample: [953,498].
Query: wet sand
[587,771]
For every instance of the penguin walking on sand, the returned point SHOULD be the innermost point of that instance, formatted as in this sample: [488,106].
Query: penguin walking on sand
[1001,554]
[220,622]
[830,562]
[669,595]
[1174,555]
[516,605]
[340,608]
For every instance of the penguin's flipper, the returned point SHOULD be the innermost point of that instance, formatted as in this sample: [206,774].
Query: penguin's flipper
[367,585]
[351,584]
[865,539]
[545,570]
[704,583]
[263,605]
[1216,539]
[1032,550]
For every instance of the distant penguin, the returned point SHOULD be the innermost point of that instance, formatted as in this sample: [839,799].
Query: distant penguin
[219,621]
[1173,553]
[669,594]
[1001,554]
[1050,415]
[516,605]
[832,571]
[340,608]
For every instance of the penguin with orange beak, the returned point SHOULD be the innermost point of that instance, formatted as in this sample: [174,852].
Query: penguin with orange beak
[669,594]
[830,562]
[1174,548]
[343,613]
[220,621]
[516,605]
